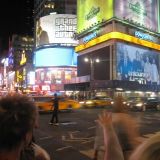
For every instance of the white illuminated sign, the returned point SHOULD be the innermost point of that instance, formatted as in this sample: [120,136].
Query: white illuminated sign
[56,28]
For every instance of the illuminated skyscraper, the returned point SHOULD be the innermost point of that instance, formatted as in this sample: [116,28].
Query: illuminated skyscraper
[45,7]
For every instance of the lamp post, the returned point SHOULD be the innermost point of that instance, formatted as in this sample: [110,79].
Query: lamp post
[91,61]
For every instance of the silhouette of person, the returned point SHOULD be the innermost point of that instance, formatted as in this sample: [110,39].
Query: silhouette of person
[55,110]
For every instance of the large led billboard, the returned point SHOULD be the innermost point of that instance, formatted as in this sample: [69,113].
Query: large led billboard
[137,64]
[56,28]
[139,12]
[48,57]
[90,12]
[144,13]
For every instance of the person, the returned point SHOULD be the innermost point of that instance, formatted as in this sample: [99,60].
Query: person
[18,116]
[154,73]
[125,128]
[137,64]
[55,110]
[147,70]
[42,36]
[148,150]
[113,150]
[125,66]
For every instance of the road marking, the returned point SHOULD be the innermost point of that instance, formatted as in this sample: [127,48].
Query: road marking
[93,127]
[67,123]
[48,137]
[63,148]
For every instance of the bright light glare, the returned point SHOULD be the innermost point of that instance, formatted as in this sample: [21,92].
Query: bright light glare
[97,60]
[3,60]
[86,59]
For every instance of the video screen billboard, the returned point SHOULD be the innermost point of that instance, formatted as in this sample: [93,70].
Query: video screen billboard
[137,64]
[90,12]
[56,28]
[55,57]
[143,12]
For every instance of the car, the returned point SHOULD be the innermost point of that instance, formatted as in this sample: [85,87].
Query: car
[144,103]
[45,103]
[97,102]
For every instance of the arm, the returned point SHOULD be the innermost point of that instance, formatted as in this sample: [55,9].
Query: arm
[113,150]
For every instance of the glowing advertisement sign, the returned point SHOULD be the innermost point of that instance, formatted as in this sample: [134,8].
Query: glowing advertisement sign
[56,28]
[90,12]
[55,57]
[145,36]
[143,12]
[137,64]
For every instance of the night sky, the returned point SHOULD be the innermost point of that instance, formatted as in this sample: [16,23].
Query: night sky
[15,19]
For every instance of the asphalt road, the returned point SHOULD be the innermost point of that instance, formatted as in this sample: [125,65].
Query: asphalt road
[74,137]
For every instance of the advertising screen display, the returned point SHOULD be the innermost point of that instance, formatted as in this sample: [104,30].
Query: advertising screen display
[143,12]
[56,28]
[90,12]
[137,64]
[55,57]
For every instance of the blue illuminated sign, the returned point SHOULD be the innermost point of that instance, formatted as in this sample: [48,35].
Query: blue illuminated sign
[144,36]
[55,57]
[90,36]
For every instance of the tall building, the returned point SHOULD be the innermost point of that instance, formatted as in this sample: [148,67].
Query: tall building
[45,7]
[124,37]
[55,61]
[20,59]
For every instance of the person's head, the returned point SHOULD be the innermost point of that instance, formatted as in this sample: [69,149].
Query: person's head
[55,95]
[119,106]
[149,150]
[18,117]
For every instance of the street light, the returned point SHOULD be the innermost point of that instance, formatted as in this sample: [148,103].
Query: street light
[91,61]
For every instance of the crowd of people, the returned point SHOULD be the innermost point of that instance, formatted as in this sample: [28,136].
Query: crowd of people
[117,133]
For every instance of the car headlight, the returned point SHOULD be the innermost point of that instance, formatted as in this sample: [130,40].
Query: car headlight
[139,104]
[89,102]
[112,102]
[82,102]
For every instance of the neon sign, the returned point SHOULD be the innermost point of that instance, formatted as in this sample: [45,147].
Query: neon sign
[144,36]
[137,8]
[93,12]
[23,59]
[90,36]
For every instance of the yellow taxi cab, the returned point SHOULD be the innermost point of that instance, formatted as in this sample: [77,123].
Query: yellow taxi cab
[45,103]
[97,102]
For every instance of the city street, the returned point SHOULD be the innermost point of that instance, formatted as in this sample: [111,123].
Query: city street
[74,137]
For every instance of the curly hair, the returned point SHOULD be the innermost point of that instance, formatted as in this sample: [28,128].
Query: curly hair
[17,117]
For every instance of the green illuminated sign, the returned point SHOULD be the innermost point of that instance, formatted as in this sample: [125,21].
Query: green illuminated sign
[137,8]
[93,12]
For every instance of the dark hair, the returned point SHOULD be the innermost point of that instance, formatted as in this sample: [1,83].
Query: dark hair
[17,117]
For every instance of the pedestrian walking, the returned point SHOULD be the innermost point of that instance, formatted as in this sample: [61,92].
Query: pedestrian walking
[54,118]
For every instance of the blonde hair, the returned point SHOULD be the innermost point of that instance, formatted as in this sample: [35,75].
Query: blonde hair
[149,150]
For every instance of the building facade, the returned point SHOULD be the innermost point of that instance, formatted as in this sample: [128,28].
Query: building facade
[20,59]
[55,61]
[123,36]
